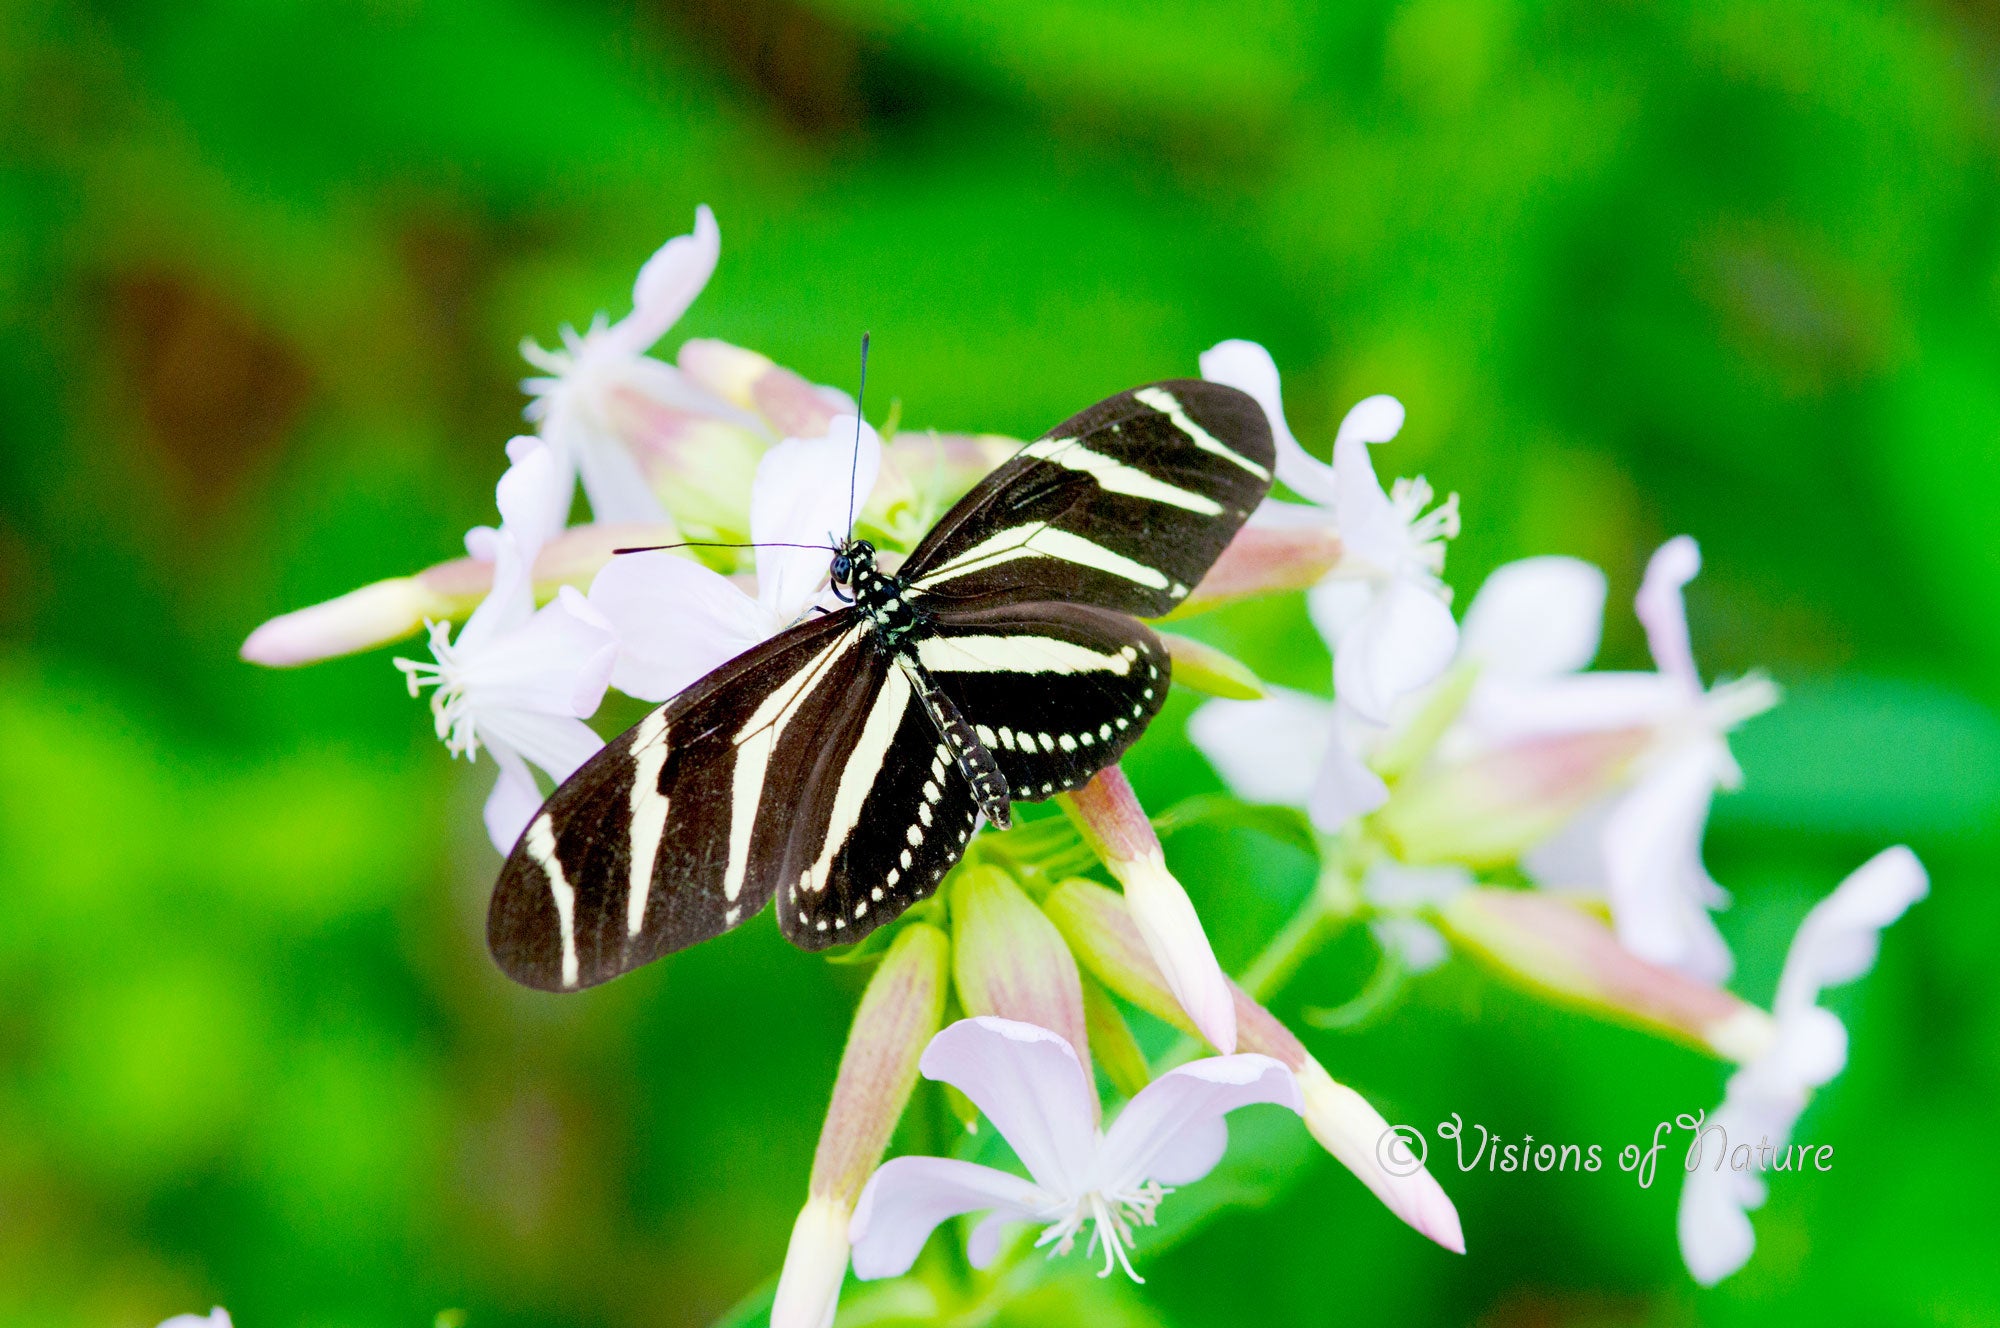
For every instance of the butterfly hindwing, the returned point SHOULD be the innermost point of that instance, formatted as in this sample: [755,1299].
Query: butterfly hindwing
[883,815]
[1055,691]
[677,830]
[1125,506]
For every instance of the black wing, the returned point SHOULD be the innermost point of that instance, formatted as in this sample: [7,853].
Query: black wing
[680,828]
[1125,506]
[884,812]
[1055,691]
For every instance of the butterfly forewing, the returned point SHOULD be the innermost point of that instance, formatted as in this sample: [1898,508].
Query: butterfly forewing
[1055,691]
[1125,506]
[678,829]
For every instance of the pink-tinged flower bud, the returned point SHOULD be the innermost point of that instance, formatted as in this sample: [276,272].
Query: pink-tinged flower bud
[1009,960]
[1264,560]
[1105,938]
[371,616]
[1555,949]
[898,1014]
[815,1265]
[1489,809]
[1355,1133]
[1205,668]
[392,610]
[1113,823]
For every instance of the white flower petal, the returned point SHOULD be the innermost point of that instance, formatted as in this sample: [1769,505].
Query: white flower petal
[1714,1228]
[1248,367]
[1029,1083]
[534,495]
[1840,938]
[547,665]
[908,1197]
[1268,750]
[675,621]
[1345,787]
[801,496]
[555,744]
[1403,642]
[1659,891]
[613,481]
[1507,709]
[1335,605]
[983,1245]
[1369,527]
[1538,617]
[1571,861]
[1810,1050]
[1172,1131]
[215,1318]
[514,800]
[1662,607]
[668,284]
[1276,514]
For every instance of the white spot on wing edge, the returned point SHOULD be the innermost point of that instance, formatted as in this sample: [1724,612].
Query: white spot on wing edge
[1169,405]
[541,844]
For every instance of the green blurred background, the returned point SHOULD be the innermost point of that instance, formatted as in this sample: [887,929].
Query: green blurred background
[1635,269]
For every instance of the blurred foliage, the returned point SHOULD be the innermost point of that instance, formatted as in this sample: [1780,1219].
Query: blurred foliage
[1634,269]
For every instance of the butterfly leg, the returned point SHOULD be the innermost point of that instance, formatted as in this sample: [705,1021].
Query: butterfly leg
[989,786]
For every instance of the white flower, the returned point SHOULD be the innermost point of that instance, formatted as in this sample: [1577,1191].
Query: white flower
[1836,943]
[1029,1083]
[1383,609]
[1532,617]
[677,620]
[215,1318]
[1642,846]
[604,393]
[519,681]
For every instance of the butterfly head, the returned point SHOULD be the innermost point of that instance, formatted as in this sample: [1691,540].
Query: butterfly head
[852,560]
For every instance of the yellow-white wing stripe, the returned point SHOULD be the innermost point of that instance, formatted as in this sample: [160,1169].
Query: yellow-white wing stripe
[1038,539]
[755,742]
[541,846]
[1168,405]
[1018,654]
[649,814]
[857,779]
[1114,476]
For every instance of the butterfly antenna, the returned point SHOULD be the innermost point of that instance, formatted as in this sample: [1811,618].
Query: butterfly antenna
[854,467]
[719,544]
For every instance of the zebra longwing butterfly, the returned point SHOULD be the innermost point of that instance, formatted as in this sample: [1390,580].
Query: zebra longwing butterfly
[841,767]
